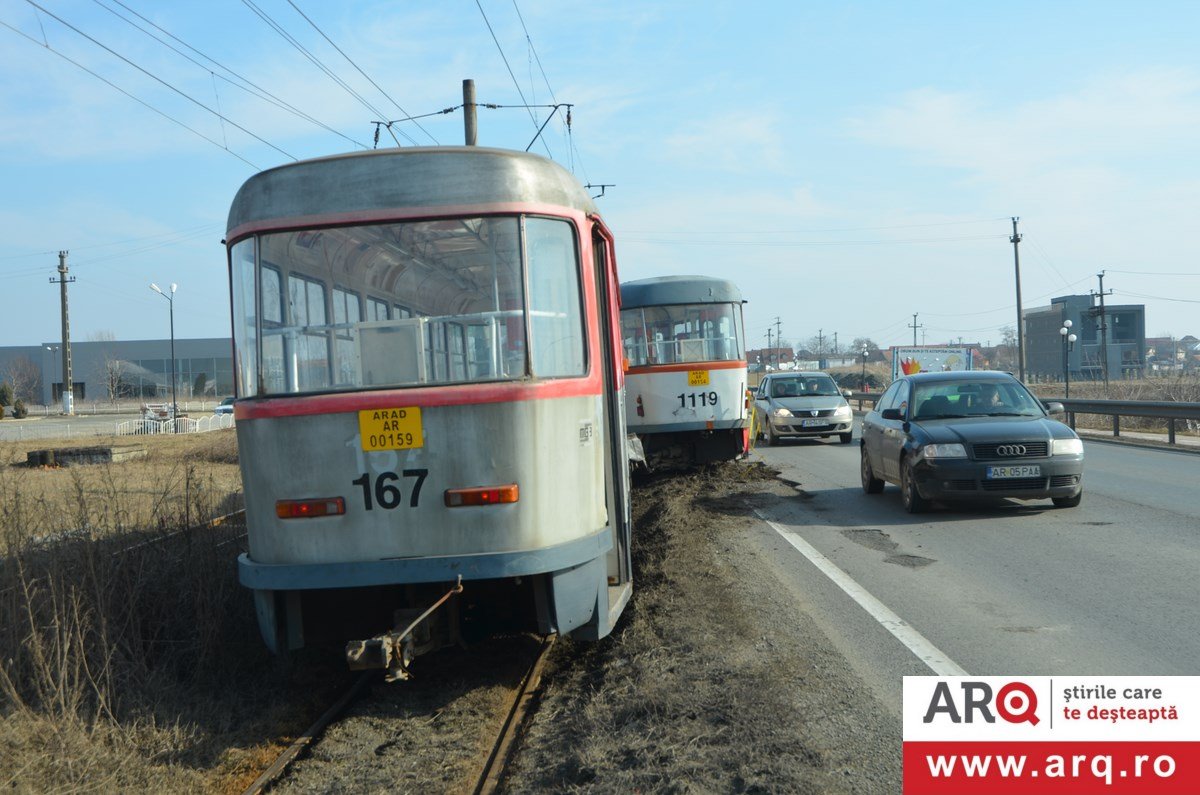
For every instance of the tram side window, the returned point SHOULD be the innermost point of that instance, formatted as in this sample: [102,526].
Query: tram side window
[245,331]
[555,311]
[308,338]
[346,317]
[633,337]
[273,370]
[376,309]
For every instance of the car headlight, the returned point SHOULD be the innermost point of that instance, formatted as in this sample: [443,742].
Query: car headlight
[944,451]
[843,411]
[1067,447]
[781,412]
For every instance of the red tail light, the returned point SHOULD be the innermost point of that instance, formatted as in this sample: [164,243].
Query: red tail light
[483,495]
[306,509]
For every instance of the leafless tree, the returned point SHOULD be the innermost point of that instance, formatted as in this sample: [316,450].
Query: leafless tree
[26,379]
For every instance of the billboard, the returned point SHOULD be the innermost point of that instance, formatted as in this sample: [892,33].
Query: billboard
[906,361]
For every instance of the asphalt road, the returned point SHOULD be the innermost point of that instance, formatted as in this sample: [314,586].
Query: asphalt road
[1107,588]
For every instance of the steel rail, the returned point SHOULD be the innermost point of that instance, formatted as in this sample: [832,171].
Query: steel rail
[493,770]
[301,743]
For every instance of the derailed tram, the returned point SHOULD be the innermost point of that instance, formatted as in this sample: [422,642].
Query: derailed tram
[685,362]
[430,415]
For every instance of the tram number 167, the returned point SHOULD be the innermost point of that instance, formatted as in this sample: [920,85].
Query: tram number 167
[697,399]
[387,495]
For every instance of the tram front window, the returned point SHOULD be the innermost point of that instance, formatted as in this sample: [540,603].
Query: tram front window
[682,333]
[406,304]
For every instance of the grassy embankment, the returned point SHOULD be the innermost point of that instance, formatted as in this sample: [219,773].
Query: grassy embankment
[129,654]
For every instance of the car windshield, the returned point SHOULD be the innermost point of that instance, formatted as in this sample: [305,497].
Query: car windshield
[803,386]
[973,398]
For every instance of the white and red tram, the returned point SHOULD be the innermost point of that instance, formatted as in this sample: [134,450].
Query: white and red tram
[685,375]
[429,375]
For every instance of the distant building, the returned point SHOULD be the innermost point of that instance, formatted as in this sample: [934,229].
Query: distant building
[126,370]
[1124,342]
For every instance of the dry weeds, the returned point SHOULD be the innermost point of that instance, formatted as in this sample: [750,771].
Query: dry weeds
[129,655]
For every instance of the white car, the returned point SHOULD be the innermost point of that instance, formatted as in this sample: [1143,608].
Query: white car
[802,405]
[224,407]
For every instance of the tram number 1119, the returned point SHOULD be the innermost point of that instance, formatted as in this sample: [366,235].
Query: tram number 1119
[694,399]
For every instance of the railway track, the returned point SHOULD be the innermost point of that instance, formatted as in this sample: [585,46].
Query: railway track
[489,771]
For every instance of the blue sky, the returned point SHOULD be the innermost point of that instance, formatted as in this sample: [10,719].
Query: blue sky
[848,164]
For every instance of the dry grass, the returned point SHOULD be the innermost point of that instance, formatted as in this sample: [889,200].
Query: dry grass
[127,665]
[1175,390]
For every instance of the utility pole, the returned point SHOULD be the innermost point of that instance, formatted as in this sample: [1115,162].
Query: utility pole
[769,348]
[914,327]
[820,342]
[470,125]
[778,337]
[68,390]
[1016,241]
[1103,331]
[835,343]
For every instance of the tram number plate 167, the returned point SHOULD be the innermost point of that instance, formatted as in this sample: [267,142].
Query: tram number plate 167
[697,377]
[390,429]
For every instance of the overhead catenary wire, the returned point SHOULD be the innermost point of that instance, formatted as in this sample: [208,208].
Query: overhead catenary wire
[356,66]
[159,80]
[516,82]
[247,85]
[135,98]
[290,39]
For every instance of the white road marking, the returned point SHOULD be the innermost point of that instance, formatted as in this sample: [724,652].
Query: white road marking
[918,644]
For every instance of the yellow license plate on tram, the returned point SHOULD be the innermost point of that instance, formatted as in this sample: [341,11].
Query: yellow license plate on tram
[391,429]
[697,377]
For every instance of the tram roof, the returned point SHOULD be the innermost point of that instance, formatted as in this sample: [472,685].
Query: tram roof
[388,179]
[664,290]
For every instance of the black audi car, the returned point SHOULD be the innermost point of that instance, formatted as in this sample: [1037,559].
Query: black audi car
[969,435]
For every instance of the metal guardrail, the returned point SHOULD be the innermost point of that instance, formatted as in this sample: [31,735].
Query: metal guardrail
[1168,410]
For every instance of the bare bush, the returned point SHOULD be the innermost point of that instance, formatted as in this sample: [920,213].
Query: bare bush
[129,654]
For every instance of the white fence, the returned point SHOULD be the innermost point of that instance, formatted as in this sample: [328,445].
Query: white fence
[178,425]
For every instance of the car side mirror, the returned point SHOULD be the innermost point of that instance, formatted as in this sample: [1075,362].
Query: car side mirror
[891,414]
[1055,407]
[847,392]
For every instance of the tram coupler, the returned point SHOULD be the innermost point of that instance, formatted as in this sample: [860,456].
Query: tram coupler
[395,650]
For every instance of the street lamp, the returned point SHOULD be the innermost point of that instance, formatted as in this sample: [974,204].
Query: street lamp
[174,403]
[1068,345]
[862,385]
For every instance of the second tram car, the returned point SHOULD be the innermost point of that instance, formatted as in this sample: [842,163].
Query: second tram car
[430,399]
[685,394]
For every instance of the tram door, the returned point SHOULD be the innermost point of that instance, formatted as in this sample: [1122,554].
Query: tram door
[616,464]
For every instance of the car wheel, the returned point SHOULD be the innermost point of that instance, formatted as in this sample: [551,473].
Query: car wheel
[1068,502]
[846,437]
[912,499]
[772,439]
[870,483]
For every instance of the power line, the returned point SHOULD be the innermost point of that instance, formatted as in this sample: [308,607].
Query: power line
[842,229]
[630,237]
[250,86]
[1156,273]
[141,102]
[516,83]
[158,79]
[271,23]
[572,151]
[356,66]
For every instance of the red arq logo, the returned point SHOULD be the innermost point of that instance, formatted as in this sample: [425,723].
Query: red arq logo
[1016,702]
